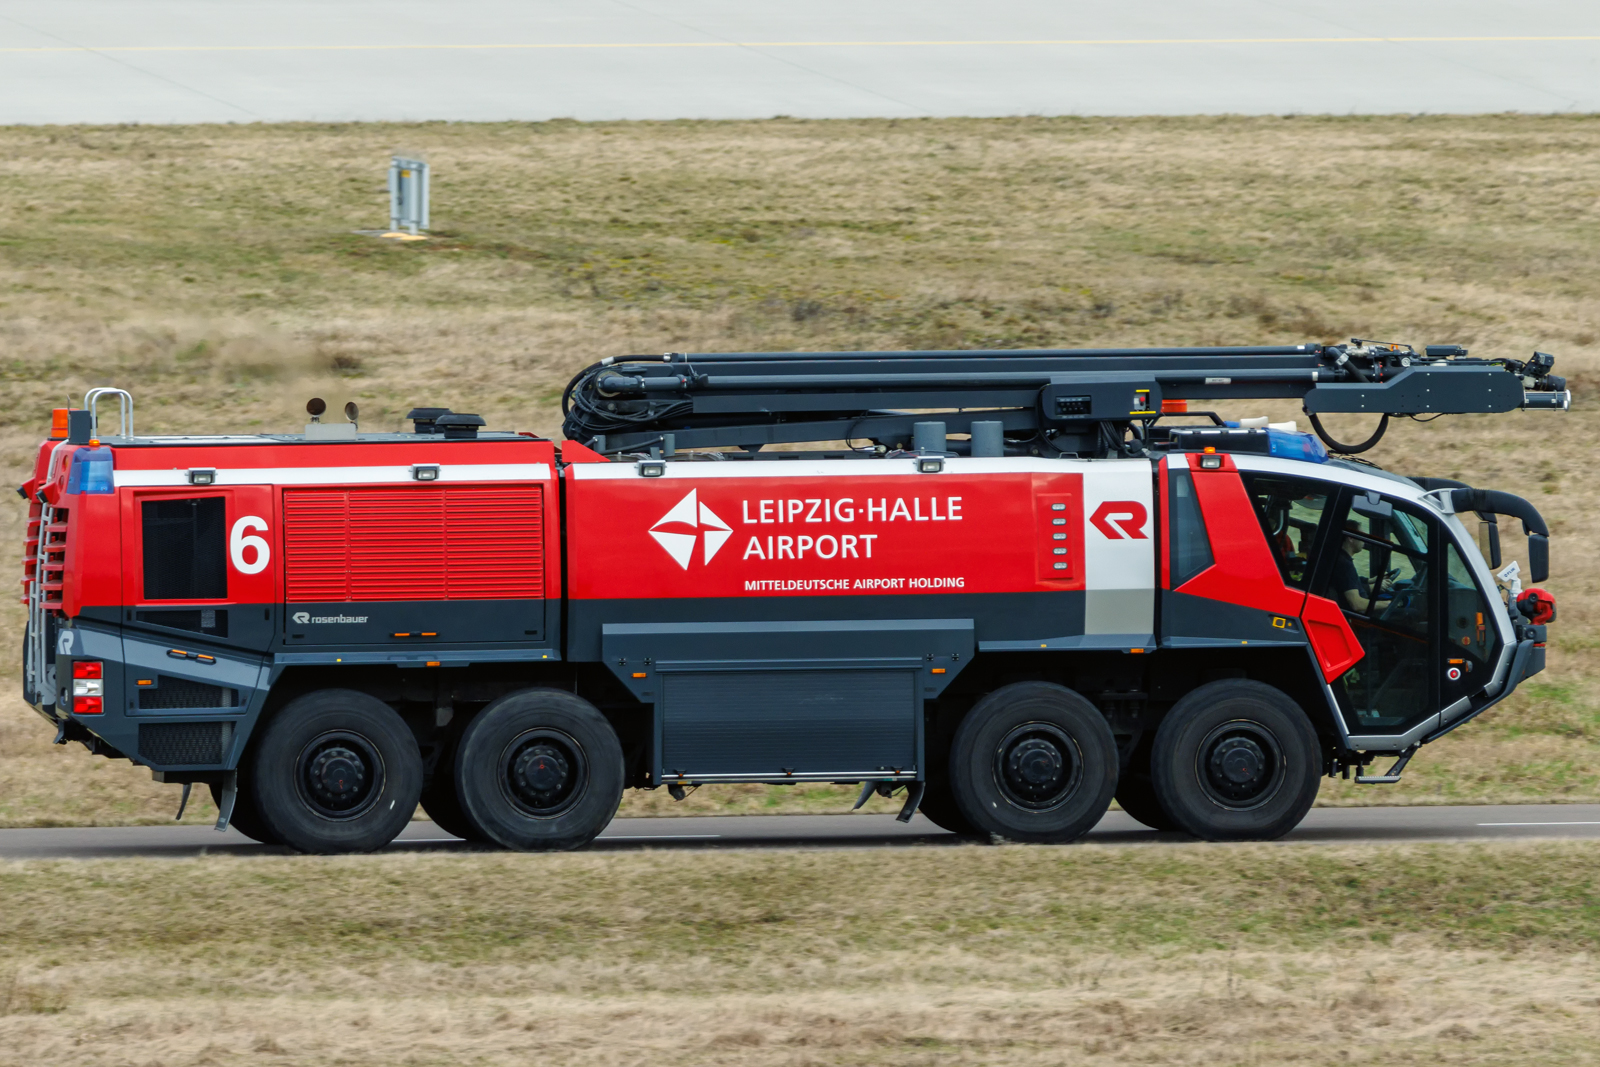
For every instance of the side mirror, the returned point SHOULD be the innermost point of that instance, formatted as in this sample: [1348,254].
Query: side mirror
[1538,558]
[1492,529]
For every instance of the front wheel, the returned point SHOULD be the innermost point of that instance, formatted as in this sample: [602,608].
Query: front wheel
[1033,762]
[939,807]
[1236,761]
[539,771]
[337,771]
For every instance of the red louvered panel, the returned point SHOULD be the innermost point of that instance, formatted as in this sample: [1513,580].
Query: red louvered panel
[397,544]
[414,543]
[316,545]
[496,539]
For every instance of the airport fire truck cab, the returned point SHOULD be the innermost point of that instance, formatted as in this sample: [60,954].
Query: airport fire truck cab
[1012,585]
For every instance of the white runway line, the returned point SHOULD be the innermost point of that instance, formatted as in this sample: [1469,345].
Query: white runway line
[1588,823]
[185,61]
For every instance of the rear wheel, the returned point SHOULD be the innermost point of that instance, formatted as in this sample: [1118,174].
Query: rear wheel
[1136,793]
[337,771]
[540,770]
[1236,761]
[1033,762]
[440,801]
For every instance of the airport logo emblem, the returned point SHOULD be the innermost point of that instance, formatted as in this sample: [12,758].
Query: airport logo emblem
[690,521]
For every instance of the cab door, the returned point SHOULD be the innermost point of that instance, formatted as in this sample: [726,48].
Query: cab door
[1409,596]
[199,581]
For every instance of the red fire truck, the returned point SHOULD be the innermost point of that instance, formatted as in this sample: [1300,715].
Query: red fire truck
[1022,585]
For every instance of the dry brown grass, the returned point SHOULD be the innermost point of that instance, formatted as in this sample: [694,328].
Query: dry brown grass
[1165,954]
[214,271]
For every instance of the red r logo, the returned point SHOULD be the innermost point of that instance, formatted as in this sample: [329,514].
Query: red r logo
[1120,518]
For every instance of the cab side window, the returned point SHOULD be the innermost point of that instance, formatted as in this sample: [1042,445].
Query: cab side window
[1191,546]
[1292,511]
[185,549]
[1472,643]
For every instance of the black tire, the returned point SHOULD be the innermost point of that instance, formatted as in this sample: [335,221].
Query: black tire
[245,818]
[443,806]
[1236,761]
[1136,795]
[1033,762]
[540,771]
[939,807]
[336,771]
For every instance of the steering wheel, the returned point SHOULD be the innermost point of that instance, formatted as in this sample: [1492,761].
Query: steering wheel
[1406,601]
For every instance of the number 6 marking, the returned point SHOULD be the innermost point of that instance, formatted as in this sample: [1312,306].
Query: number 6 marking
[239,541]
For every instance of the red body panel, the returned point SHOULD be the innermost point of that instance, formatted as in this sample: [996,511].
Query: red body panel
[429,542]
[1244,572]
[1331,637]
[488,538]
[683,537]
[242,503]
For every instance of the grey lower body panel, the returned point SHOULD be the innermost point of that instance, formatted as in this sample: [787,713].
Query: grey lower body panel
[789,724]
[838,699]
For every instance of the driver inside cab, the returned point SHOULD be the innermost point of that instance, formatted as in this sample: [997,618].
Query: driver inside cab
[1355,590]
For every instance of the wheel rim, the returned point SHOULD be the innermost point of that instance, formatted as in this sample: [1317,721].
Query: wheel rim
[543,772]
[339,775]
[1038,766]
[1240,765]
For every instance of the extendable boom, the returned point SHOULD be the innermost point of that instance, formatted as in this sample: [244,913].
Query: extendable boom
[1081,401]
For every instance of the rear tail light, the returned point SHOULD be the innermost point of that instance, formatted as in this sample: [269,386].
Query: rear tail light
[88,687]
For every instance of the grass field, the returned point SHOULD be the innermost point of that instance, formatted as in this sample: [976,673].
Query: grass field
[1181,954]
[215,271]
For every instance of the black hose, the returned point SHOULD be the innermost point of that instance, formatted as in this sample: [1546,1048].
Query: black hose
[1350,450]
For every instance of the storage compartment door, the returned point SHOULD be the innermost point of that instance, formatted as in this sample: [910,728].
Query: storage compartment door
[777,724]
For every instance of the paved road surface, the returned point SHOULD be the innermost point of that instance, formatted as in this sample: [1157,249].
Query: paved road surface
[1322,826]
[270,60]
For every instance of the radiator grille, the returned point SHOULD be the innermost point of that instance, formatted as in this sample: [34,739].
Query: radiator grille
[183,744]
[421,543]
[172,694]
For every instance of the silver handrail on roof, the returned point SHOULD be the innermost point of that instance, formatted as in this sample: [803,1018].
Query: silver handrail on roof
[91,400]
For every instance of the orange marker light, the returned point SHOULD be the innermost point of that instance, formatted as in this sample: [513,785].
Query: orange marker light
[639,674]
[938,670]
[433,663]
[58,424]
[1174,407]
